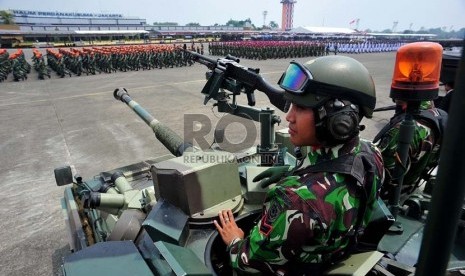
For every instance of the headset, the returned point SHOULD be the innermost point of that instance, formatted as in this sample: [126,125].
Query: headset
[337,121]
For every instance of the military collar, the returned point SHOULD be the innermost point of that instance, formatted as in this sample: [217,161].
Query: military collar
[318,154]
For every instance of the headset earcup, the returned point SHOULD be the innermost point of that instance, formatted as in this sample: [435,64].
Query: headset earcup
[342,125]
[336,122]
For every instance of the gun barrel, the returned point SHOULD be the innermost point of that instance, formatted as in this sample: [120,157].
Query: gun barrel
[202,59]
[199,56]
[172,141]
[385,108]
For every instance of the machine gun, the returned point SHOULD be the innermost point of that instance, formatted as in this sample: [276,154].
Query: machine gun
[227,74]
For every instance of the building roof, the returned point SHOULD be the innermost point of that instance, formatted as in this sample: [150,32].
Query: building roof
[34,32]
[82,32]
[110,32]
[401,35]
[323,30]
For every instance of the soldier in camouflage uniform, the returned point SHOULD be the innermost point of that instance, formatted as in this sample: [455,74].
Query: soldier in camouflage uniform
[423,151]
[310,216]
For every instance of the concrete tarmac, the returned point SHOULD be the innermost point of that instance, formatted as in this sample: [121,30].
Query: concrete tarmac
[76,121]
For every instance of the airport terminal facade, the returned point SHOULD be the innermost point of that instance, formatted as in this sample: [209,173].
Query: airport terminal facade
[29,21]
[48,26]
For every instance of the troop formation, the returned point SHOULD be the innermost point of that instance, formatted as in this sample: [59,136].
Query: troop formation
[294,49]
[267,49]
[66,62]
[78,61]
[364,47]
[15,64]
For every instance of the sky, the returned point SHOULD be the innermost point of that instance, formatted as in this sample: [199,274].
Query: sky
[372,14]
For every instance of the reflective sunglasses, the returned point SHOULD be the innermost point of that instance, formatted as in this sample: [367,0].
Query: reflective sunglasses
[296,78]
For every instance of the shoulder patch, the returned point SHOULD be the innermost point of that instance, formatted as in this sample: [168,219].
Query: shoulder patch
[266,225]
[274,211]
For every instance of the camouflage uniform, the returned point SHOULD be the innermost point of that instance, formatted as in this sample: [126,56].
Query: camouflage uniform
[423,152]
[306,220]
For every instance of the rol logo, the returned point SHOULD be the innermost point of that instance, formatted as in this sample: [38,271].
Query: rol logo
[230,133]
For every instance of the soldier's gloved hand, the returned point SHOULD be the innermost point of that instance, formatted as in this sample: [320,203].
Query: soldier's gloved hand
[273,175]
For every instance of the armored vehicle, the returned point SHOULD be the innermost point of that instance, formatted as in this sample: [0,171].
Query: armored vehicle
[156,217]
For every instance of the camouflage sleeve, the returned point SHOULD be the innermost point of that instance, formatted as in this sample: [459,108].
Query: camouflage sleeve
[388,146]
[378,180]
[422,143]
[267,244]
[291,228]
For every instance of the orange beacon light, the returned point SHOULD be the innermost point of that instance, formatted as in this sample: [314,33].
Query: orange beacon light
[416,72]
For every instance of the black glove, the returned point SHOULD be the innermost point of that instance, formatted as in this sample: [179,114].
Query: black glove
[273,175]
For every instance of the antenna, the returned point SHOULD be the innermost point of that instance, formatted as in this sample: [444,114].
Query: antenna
[264,18]
[410,26]
[394,26]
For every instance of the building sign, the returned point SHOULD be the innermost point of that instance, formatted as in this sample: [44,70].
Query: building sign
[24,13]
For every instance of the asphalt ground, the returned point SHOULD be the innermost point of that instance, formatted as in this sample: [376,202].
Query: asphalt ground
[76,121]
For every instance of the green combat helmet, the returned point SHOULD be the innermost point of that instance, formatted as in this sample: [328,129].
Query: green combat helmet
[338,89]
[329,77]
